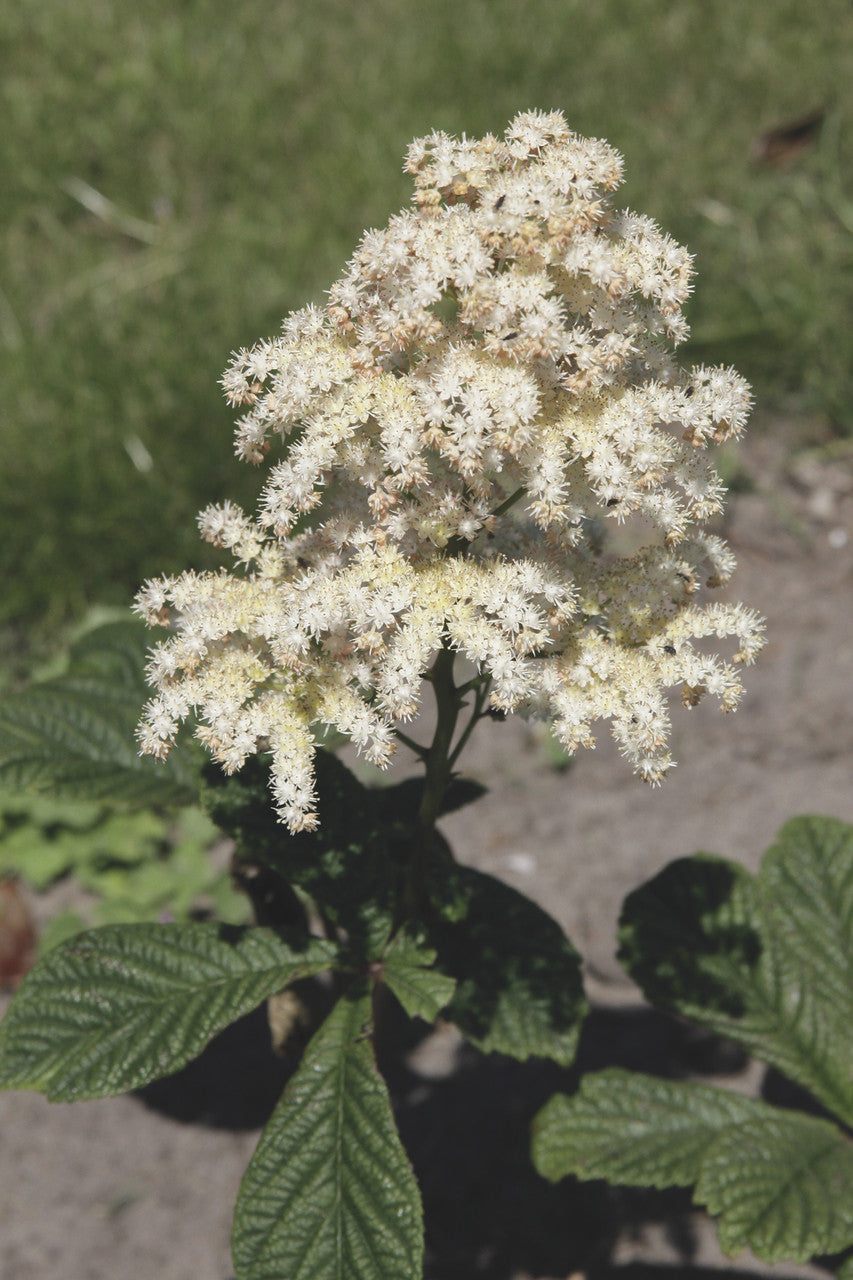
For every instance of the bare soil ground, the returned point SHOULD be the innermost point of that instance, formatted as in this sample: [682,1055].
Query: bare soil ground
[142,1187]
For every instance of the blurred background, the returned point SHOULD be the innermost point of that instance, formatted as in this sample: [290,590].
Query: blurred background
[176,177]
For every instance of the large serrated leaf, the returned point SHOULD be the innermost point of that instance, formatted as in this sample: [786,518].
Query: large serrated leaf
[114,651]
[806,885]
[765,960]
[519,987]
[115,1008]
[74,735]
[632,1129]
[781,1181]
[329,1193]
[783,1185]
[347,866]
[408,970]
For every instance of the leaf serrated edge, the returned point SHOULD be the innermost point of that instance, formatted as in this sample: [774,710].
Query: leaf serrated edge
[561,1110]
[35,990]
[356,1053]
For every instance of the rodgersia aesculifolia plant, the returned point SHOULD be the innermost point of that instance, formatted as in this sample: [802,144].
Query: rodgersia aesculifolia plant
[489,388]
[481,448]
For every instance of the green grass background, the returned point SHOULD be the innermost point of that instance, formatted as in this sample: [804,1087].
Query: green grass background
[254,141]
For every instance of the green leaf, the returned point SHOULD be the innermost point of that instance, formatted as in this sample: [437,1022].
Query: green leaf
[519,987]
[48,813]
[765,960]
[115,1008]
[806,883]
[329,1193]
[349,866]
[114,651]
[408,970]
[38,858]
[127,838]
[781,1181]
[632,1129]
[74,735]
[783,1184]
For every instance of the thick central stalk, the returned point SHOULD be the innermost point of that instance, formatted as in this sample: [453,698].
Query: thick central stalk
[437,762]
[438,765]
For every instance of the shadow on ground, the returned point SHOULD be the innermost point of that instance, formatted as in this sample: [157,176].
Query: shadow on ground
[465,1123]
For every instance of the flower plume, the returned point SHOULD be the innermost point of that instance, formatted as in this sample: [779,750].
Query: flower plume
[490,389]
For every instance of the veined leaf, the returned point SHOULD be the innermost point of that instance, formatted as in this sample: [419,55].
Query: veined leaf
[329,1193]
[519,988]
[74,735]
[781,1181]
[114,1008]
[806,885]
[115,651]
[765,960]
[408,970]
[633,1129]
[783,1184]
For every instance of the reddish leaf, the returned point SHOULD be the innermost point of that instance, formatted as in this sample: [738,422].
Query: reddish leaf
[17,935]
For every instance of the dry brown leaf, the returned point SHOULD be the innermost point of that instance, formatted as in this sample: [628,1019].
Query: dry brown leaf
[17,935]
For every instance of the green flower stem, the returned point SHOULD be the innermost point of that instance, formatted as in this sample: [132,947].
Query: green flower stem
[448,705]
[439,759]
[509,502]
[438,765]
[481,685]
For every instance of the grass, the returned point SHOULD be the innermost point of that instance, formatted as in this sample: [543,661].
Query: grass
[176,178]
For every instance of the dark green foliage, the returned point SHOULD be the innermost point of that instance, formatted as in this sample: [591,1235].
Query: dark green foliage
[115,1008]
[518,980]
[781,1182]
[74,735]
[768,961]
[408,969]
[136,865]
[349,867]
[765,960]
[633,1129]
[329,1193]
[519,987]
[43,839]
[72,775]
[354,866]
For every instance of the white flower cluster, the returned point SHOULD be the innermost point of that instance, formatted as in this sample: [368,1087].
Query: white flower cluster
[490,384]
